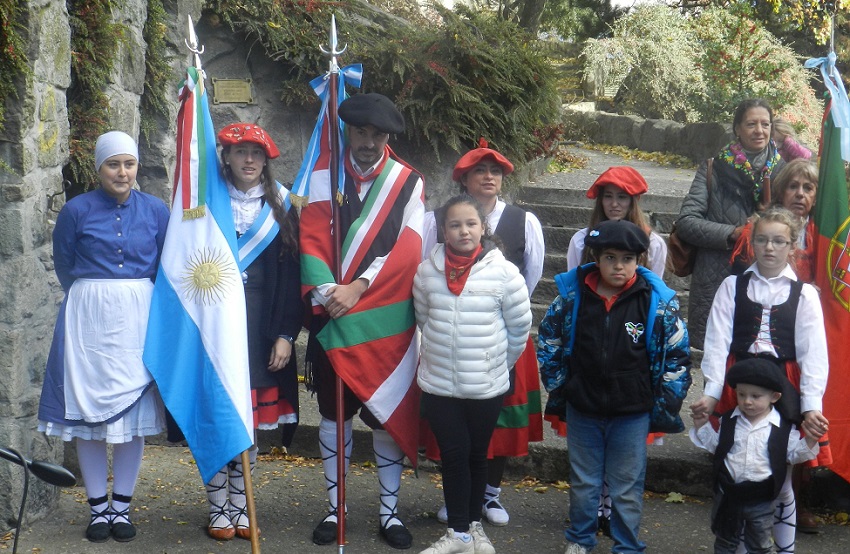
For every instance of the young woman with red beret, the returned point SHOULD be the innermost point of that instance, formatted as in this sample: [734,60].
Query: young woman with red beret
[479,173]
[617,193]
[267,235]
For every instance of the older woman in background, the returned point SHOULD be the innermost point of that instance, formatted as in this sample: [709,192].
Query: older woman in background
[713,216]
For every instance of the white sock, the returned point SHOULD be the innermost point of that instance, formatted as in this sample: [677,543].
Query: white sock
[327,446]
[465,537]
[93,466]
[785,518]
[217,498]
[389,457]
[236,488]
[126,463]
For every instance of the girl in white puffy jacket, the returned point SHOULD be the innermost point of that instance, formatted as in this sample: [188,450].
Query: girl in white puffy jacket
[473,310]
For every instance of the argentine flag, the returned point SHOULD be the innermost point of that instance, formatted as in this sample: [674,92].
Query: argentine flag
[196,346]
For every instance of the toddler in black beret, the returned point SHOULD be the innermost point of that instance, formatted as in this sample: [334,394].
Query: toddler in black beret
[752,449]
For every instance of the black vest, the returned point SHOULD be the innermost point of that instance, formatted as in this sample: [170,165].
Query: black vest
[750,491]
[510,230]
[747,321]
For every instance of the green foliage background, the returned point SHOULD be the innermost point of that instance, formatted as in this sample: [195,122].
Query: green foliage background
[699,68]
[455,75]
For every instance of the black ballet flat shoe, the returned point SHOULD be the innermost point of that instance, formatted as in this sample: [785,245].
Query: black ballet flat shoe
[396,534]
[325,531]
[123,529]
[123,532]
[98,532]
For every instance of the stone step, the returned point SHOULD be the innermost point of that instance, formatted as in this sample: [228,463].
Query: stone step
[557,239]
[577,216]
[535,194]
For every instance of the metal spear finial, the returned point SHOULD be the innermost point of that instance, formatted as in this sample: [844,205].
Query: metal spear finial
[332,50]
[192,44]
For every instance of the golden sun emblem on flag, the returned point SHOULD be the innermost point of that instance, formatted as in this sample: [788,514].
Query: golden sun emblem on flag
[207,276]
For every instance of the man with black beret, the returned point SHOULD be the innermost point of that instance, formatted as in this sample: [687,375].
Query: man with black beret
[361,327]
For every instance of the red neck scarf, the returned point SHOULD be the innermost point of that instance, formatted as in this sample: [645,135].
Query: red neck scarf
[458,268]
[360,179]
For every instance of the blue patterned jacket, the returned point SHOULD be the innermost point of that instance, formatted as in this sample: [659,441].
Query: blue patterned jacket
[666,346]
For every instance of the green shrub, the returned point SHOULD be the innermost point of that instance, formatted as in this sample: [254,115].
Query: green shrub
[651,57]
[456,77]
[699,69]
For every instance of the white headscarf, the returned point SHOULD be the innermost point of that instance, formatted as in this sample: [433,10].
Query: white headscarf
[111,144]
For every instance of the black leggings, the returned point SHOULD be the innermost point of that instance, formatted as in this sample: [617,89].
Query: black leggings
[463,428]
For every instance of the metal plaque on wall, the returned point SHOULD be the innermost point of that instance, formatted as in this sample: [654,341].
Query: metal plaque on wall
[232,91]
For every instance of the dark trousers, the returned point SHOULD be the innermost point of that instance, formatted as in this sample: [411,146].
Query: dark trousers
[324,383]
[755,519]
[463,428]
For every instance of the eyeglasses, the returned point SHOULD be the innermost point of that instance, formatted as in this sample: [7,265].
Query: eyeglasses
[778,242]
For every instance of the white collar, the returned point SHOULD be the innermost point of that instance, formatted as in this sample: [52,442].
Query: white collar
[786,272]
[772,418]
[252,193]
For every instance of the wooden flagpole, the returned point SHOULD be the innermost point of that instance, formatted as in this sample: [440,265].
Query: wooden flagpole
[336,196]
[192,45]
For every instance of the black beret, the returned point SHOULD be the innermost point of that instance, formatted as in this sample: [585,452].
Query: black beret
[619,234]
[771,376]
[759,372]
[372,109]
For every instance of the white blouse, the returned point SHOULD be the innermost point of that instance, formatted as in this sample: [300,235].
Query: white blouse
[809,333]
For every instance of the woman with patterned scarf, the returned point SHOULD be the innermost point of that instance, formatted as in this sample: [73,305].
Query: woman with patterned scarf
[714,214]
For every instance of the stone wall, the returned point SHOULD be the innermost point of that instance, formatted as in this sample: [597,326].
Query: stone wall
[696,141]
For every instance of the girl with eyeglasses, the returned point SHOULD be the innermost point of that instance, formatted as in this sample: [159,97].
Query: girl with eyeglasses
[767,312]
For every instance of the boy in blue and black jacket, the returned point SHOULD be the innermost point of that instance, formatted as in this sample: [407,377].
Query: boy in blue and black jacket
[615,359]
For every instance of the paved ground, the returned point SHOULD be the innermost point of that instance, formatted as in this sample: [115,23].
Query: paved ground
[170,512]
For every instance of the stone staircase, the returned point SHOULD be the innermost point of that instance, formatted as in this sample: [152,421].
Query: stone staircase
[563,211]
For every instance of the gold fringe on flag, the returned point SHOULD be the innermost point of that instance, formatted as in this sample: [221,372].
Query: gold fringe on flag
[339,197]
[194,213]
[298,201]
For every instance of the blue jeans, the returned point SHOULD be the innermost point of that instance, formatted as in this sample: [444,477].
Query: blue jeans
[613,449]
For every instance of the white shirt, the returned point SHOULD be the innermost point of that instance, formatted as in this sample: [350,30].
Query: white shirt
[534,247]
[809,333]
[245,206]
[748,459]
[656,256]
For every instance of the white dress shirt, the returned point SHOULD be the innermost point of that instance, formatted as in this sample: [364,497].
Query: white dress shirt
[809,333]
[245,206]
[748,459]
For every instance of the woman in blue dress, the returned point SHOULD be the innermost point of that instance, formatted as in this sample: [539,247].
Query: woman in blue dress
[106,249]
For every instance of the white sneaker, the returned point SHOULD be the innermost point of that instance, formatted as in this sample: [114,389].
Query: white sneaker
[493,509]
[482,543]
[443,514]
[450,544]
[573,548]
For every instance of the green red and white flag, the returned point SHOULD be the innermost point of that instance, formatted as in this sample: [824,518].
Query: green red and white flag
[373,347]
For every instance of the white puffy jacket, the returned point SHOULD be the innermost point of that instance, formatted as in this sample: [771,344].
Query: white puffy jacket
[469,342]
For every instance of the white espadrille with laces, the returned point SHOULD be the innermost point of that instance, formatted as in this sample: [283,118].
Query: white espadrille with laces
[493,509]
[573,548]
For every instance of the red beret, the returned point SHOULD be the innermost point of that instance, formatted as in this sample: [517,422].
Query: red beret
[621,176]
[238,133]
[475,156]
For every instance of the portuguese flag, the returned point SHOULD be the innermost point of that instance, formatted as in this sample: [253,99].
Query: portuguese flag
[831,219]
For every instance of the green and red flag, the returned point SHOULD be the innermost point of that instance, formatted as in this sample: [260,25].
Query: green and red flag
[831,217]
